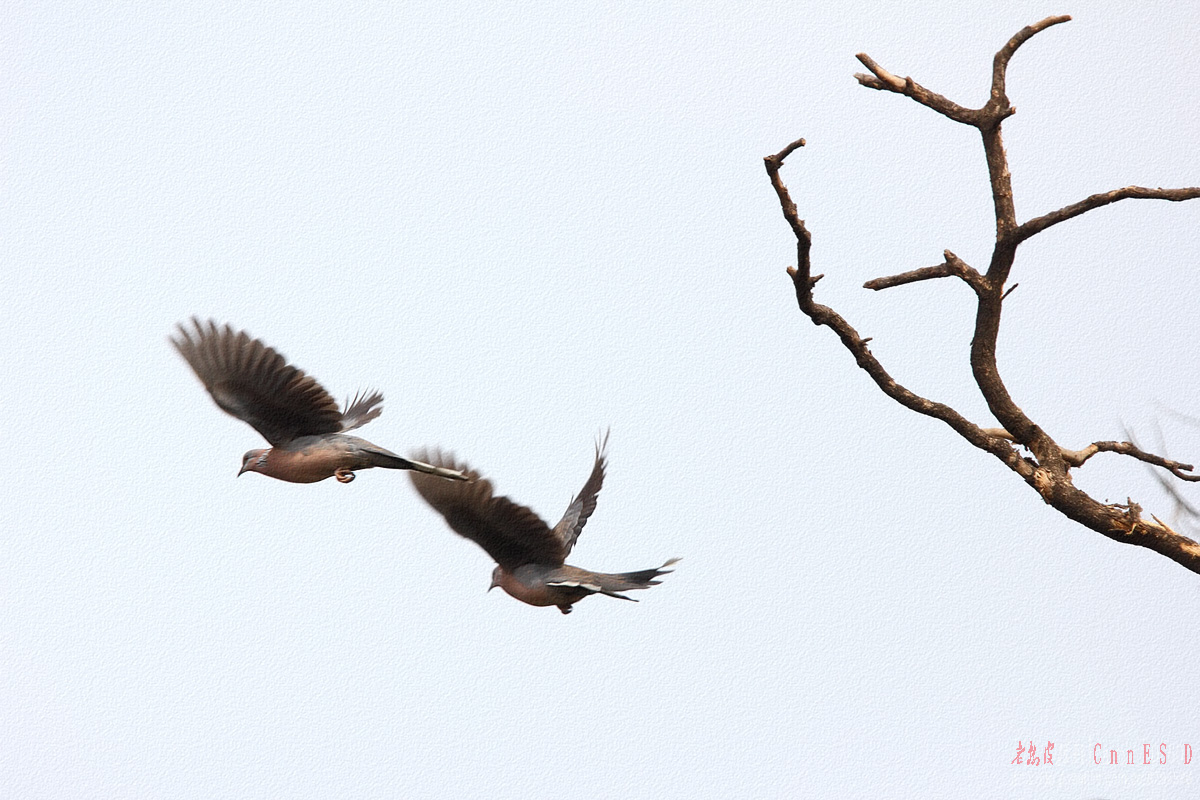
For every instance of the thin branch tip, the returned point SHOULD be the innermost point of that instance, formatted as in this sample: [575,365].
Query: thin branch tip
[1023,35]
[776,161]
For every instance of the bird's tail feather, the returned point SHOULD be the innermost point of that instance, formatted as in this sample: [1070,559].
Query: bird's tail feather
[611,584]
[393,461]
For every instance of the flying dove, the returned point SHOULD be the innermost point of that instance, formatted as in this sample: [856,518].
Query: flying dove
[299,419]
[528,553]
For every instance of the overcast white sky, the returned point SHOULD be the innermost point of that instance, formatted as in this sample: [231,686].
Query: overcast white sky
[527,222]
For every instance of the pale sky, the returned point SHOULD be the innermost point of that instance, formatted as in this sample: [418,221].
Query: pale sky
[525,223]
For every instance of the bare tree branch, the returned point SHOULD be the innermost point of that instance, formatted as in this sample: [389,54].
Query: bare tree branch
[1075,458]
[1039,224]
[1005,54]
[789,208]
[942,270]
[824,315]
[883,80]
[952,267]
[1048,467]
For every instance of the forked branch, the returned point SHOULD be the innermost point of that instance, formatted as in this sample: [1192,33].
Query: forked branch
[1046,465]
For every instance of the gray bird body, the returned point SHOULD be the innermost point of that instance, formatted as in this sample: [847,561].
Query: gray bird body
[309,459]
[546,585]
[530,556]
[251,381]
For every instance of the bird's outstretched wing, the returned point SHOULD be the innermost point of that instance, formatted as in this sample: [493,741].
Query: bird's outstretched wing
[512,534]
[582,505]
[255,383]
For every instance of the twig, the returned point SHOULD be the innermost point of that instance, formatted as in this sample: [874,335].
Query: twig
[1039,224]
[952,267]
[1076,458]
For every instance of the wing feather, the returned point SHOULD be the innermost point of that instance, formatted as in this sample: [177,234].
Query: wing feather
[361,410]
[254,383]
[512,534]
[582,505]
